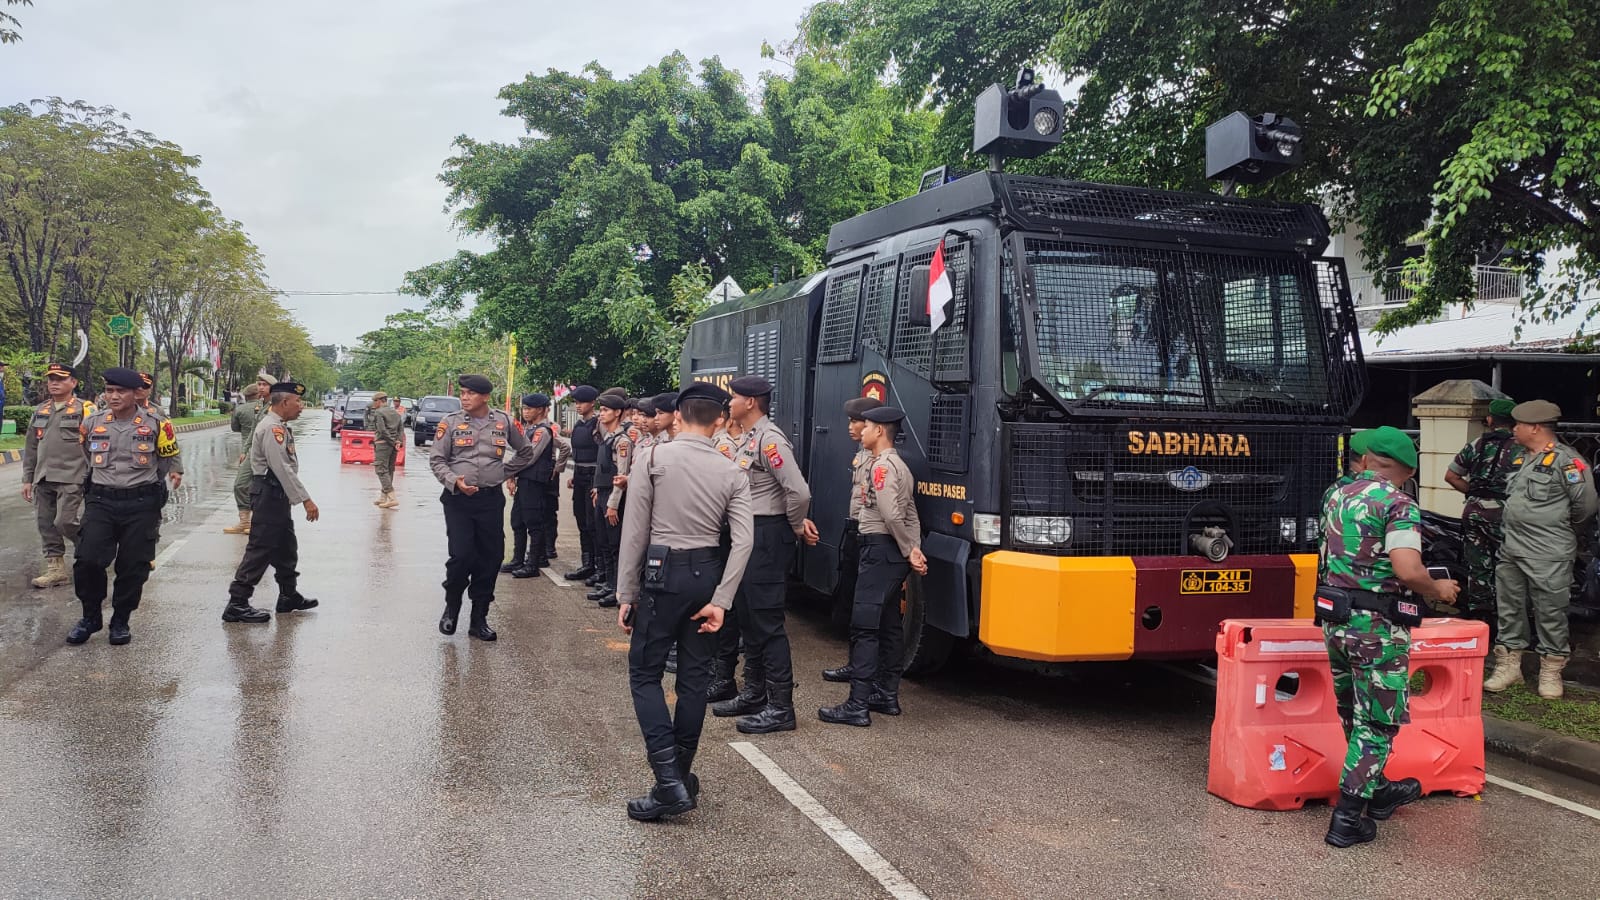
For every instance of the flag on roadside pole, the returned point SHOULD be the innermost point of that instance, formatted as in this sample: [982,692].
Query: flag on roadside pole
[939,289]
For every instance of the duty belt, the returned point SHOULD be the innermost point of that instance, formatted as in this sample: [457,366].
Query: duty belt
[583,465]
[777,517]
[879,539]
[140,492]
[696,555]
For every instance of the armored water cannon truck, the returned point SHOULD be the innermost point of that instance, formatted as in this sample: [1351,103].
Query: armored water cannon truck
[1121,420]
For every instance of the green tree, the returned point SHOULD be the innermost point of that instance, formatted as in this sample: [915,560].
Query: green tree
[9,23]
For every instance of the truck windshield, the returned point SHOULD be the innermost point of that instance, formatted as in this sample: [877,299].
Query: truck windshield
[1121,327]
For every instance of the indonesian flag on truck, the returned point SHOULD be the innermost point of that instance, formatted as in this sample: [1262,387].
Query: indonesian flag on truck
[939,290]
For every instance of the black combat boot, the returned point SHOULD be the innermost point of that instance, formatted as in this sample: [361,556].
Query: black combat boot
[750,700]
[721,687]
[529,567]
[519,552]
[779,714]
[242,611]
[89,624]
[119,634]
[882,701]
[550,553]
[669,797]
[850,712]
[1392,795]
[685,764]
[480,622]
[452,612]
[841,675]
[295,602]
[609,601]
[583,571]
[1349,827]
[672,659]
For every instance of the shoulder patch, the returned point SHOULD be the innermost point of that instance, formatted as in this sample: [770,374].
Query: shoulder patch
[880,477]
[439,432]
[622,448]
[774,458]
[277,433]
[1573,474]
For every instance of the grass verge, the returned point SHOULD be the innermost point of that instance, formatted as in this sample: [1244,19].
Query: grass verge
[1575,715]
[185,420]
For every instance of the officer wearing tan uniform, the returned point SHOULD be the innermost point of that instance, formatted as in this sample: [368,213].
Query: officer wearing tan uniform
[676,587]
[850,542]
[474,451]
[612,466]
[1550,497]
[885,508]
[53,471]
[131,458]
[246,416]
[275,489]
[388,430]
[780,499]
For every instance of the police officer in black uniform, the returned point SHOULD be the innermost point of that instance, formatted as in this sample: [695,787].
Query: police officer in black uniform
[474,451]
[676,587]
[529,509]
[275,489]
[612,462]
[131,456]
[585,447]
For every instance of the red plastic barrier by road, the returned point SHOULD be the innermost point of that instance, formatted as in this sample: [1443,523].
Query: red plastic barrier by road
[355,447]
[1272,753]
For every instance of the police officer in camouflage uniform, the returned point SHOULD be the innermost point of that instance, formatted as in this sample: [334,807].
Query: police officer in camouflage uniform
[388,430]
[246,415]
[1372,553]
[1480,471]
[275,489]
[53,471]
[474,451]
[1549,499]
[131,457]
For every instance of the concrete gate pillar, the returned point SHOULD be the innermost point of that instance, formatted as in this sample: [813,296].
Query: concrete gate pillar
[1451,416]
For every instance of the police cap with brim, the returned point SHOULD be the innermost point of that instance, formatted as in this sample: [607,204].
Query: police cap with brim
[1386,441]
[702,390]
[57,370]
[857,408]
[750,386]
[666,402]
[379,396]
[585,393]
[475,383]
[1536,412]
[536,401]
[123,378]
[1502,407]
[290,387]
[146,380]
[612,401]
[883,415]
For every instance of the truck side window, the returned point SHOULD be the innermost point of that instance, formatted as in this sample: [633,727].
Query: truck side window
[879,305]
[841,314]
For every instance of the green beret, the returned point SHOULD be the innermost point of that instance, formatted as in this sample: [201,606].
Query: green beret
[1388,442]
[1502,407]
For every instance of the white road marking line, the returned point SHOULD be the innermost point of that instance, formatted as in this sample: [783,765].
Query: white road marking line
[171,551]
[1537,794]
[557,579]
[875,865]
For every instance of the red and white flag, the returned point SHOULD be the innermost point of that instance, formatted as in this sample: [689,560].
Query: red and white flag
[939,289]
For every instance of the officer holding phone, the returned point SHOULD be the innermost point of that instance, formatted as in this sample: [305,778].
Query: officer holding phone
[675,588]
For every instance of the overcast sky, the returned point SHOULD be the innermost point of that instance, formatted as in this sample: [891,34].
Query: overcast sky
[322,125]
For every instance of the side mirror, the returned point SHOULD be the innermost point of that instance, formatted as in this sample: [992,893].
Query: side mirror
[918,313]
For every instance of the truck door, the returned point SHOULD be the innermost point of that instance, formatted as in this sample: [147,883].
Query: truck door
[837,379]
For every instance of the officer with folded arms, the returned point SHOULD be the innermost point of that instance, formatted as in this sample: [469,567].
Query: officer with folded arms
[1372,553]
[274,489]
[676,586]
[474,451]
[131,460]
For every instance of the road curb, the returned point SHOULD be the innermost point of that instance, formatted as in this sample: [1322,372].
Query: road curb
[7,457]
[1543,748]
[10,456]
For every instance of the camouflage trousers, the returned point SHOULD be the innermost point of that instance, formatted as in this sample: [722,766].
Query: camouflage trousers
[1371,661]
[1480,549]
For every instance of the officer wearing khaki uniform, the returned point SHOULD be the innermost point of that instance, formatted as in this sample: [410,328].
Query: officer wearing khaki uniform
[244,420]
[1549,497]
[131,458]
[676,586]
[388,431]
[53,471]
[275,488]
[850,541]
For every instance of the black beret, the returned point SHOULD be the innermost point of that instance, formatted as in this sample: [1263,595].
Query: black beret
[883,415]
[613,401]
[289,387]
[60,371]
[644,405]
[750,386]
[536,401]
[665,402]
[620,392]
[120,377]
[584,393]
[475,383]
[857,407]
[703,390]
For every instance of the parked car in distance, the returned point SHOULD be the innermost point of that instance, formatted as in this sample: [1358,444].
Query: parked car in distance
[429,412]
[408,411]
[351,412]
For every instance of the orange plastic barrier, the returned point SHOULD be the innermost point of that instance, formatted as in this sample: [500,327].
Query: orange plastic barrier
[355,447]
[1272,753]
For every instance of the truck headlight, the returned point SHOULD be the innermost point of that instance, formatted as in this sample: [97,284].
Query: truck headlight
[986,529]
[1042,531]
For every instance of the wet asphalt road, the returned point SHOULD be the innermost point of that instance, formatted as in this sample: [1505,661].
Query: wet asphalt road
[354,751]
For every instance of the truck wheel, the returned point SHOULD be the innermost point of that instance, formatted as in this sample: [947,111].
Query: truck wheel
[416,440]
[927,648]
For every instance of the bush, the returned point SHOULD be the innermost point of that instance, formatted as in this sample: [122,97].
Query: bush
[226,407]
[182,410]
[21,415]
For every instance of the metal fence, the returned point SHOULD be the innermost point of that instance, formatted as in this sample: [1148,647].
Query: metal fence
[1496,284]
